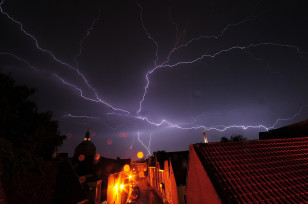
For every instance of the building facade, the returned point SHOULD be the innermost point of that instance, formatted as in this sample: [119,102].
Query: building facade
[167,175]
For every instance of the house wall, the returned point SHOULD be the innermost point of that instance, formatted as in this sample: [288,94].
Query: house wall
[168,187]
[111,195]
[173,194]
[161,180]
[98,192]
[199,186]
[174,190]
[157,177]
[95,193]
[181,194]
[151,176]
[115,195]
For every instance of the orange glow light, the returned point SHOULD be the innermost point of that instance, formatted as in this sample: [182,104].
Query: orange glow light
[97,156]
[121,186]
[126,167]
[130,176]
[140,155]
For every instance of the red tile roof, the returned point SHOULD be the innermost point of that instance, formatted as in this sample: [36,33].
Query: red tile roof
[258,170]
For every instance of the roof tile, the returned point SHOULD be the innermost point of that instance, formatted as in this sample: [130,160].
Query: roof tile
[267,171]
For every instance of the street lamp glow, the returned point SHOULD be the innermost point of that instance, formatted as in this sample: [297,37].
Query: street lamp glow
[116,188]
[121,186]
[126,167]
[140,155]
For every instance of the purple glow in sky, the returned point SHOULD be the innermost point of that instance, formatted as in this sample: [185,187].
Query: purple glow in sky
[151,75]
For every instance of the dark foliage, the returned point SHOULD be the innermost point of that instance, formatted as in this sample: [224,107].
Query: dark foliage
[233,138]
[26,135]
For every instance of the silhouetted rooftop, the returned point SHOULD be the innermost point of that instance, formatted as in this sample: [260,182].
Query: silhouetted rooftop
[299,129]
[179,161]
[58,183]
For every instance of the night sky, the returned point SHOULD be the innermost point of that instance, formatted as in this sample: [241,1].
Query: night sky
[203,64]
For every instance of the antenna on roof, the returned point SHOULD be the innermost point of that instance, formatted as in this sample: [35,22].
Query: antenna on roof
[204,137]
[87,137]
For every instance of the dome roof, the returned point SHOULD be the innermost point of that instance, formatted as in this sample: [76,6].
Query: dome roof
[86,147]
[86,144]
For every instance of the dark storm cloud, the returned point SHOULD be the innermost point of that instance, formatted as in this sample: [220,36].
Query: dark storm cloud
[253,86]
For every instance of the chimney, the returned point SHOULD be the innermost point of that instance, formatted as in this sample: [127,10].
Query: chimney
[204,136]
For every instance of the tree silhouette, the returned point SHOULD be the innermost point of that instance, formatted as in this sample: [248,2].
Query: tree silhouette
[233,138]
[224,139]
[26,136]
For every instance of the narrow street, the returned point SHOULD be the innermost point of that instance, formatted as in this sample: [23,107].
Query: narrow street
[147,194]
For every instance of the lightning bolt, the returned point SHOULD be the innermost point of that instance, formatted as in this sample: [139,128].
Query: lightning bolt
[132,143]
[146,147]
[262,61]
[19,59]
[206,55]
[99,100]
[36,41]
[147,33]
[165,64]
[290,118]
[151,71]
[79,116]
[219,128]
[82,41]
[95,118]
[176,28]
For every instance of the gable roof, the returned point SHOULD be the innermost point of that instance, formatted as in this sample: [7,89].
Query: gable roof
[258,170]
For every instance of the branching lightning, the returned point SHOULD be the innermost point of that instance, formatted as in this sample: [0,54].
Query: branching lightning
[176,28]
[290,118]
[80,116]
[207,55]
[82,41]
[165,64]
[99,100]
[19,59]
[132,143]
[219,128]
[147,33]
[146,147]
